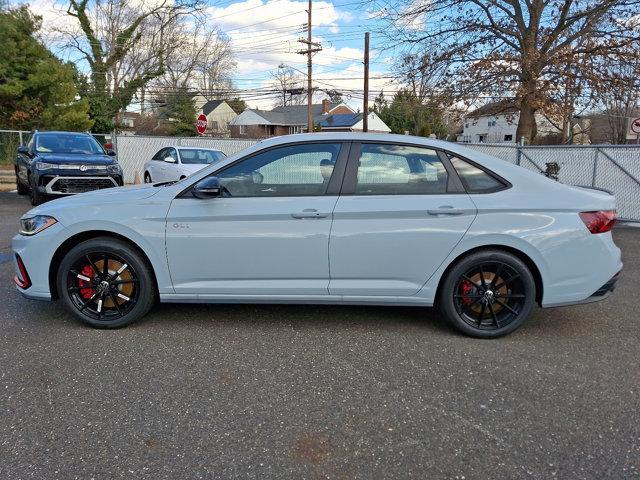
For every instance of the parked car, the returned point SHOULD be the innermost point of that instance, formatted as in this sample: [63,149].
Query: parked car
[329,218]
[175,163]
[55,164]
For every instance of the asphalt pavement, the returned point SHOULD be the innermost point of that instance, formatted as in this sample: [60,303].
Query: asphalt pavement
[292,392]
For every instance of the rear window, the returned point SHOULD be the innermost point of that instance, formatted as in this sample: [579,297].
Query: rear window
[474,178]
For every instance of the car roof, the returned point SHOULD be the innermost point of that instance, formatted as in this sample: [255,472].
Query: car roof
[196,148]
[357,137]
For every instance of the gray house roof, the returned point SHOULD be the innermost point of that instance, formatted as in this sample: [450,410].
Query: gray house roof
[211,105]
[297,114]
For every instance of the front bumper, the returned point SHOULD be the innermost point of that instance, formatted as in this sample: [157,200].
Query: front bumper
[58,182]
[35,253]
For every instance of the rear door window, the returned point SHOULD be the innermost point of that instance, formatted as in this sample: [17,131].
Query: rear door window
[388,169]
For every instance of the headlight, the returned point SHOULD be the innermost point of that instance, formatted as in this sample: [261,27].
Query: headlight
[45,166]
[114,168]
[32,225]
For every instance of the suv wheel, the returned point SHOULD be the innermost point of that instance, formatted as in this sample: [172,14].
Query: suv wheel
[21,188]
[106,283]
[487,294]
[147,177]
[34,195]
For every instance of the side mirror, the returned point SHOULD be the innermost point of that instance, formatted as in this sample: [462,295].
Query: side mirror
[23,149]
[169,159]
[111,153]
[207,188]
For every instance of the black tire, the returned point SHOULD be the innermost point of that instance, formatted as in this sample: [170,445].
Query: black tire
[487,294]
[21,188]
[34,195]
[129,294]
[147,177]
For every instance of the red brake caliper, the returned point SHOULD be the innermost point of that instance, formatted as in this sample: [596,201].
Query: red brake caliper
[87,291]
[465,289]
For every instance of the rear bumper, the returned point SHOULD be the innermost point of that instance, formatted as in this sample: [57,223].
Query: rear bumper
[602,293]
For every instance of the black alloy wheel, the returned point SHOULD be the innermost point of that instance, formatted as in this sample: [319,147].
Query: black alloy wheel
[106,283]
[147,177]
[488,294]
[35,196]
[21,188]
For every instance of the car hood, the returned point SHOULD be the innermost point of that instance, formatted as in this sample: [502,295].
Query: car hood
[118,195]
[76,158]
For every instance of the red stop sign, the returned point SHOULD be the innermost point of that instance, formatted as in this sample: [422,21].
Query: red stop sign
[201,124]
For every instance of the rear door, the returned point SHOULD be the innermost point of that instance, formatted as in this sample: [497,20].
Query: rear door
[401,212]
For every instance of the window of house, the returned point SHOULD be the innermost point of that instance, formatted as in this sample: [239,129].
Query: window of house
[508,138]
[386,169]
[492,123]
[293,170]
[214,125]
[243,129]
[475,179]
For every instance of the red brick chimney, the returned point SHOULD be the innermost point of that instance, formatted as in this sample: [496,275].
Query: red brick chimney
[326,105]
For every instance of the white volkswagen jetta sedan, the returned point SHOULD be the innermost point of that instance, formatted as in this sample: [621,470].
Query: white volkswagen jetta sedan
[329,218]
[176,163]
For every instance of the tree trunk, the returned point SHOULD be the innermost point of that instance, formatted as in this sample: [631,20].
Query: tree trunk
[527,130]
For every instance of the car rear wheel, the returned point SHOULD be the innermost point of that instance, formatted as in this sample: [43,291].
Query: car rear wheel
[147,177]
[487,294]
[106,283]
[21,188]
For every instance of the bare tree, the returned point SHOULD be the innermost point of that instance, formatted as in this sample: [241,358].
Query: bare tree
[619,96]
[289,85]
[517,48]
[125,44]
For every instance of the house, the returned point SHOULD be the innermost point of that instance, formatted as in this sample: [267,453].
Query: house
[337,116]
[497,122]
[352,122]
[219,116]
[126,122]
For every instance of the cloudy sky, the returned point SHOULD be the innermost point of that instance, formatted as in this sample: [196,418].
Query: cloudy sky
[264,35]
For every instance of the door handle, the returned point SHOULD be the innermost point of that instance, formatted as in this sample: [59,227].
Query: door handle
[309,213]
[445,210]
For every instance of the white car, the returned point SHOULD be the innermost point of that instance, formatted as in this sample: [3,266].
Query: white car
[329,218]
[175,163]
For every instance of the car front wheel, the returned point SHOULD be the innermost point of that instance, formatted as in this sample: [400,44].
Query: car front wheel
[487,294]
[35,196]
[106,283]
[147,177]
[21,188]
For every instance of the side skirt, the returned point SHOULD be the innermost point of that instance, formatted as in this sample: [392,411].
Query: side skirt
[295,299]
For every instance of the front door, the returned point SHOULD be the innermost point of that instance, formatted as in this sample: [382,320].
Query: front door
[268,234]
[401,213]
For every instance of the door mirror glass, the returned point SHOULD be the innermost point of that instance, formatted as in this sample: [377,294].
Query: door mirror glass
[23,149]
[111,152]
[207,188]
[169,159]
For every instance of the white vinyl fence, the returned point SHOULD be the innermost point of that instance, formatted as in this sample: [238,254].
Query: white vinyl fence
[134,151]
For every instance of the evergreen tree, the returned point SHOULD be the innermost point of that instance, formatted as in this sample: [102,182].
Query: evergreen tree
[37,90]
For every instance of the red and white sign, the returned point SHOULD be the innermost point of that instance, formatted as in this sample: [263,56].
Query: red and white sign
[201,124]
[634,126]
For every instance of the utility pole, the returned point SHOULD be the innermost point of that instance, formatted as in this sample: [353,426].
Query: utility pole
[308,52]
[365,107]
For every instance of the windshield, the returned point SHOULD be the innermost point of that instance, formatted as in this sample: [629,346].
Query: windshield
[67,143]
[192,156]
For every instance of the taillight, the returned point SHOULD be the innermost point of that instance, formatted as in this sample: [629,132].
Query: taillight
[599,222]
